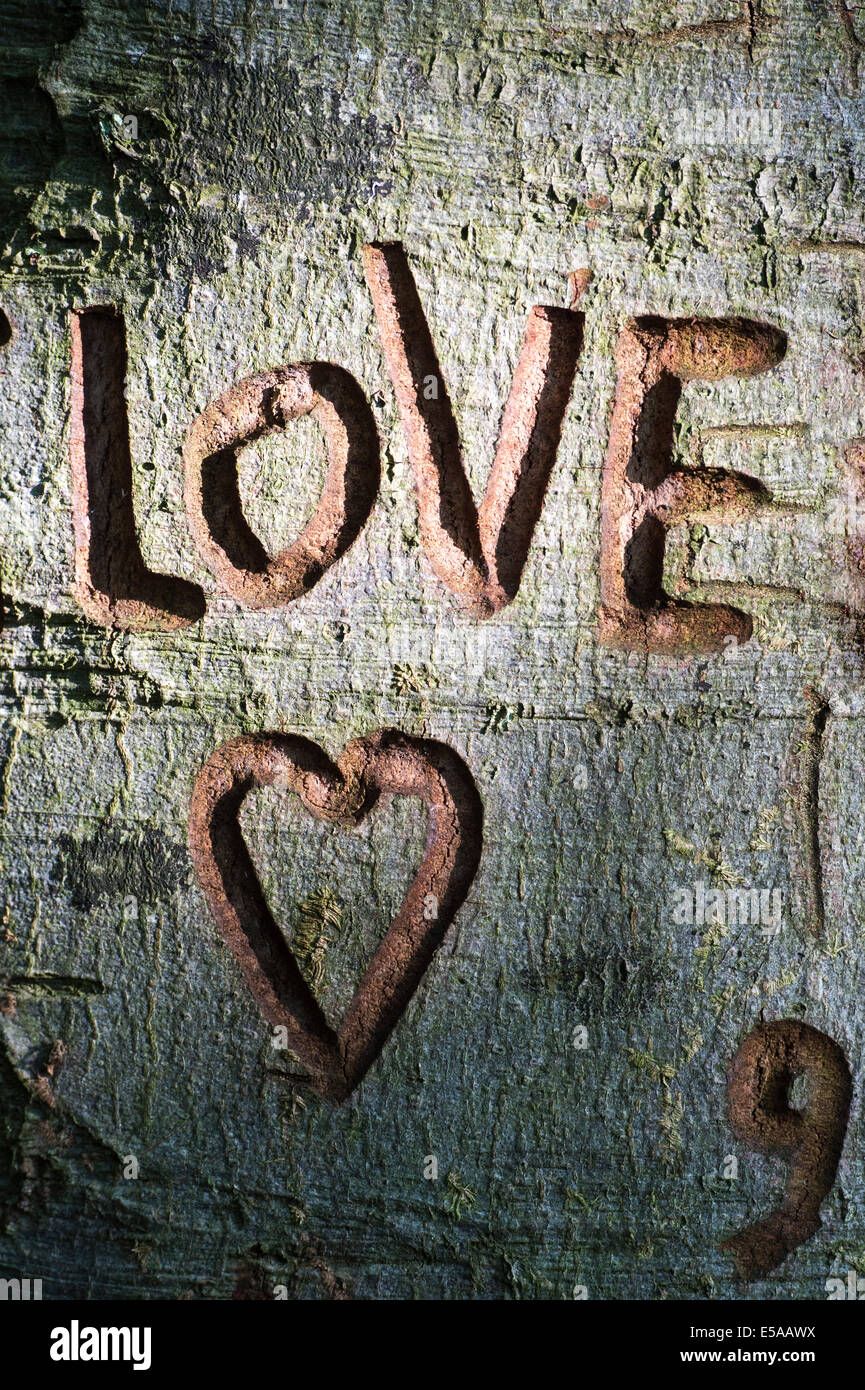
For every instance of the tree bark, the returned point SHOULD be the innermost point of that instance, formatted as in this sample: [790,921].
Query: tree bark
[213,174]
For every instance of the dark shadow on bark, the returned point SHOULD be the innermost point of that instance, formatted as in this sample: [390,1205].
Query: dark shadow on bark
[651,459]
[108,557]
[458,515]
[527,501]
[243,891]
[644,564]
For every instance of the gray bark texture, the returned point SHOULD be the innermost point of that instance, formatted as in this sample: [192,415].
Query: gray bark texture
[564,1058]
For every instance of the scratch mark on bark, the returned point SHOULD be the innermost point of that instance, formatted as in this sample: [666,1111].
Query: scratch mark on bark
[53,985]
[847,250]
[749,23]
[852,43]
[798,429]
[805,795]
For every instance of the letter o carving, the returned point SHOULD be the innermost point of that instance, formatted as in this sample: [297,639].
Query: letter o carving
[257,406]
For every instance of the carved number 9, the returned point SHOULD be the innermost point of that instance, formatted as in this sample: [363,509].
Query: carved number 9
[758,1084]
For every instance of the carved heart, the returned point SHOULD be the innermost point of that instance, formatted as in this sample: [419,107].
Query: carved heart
[345,791]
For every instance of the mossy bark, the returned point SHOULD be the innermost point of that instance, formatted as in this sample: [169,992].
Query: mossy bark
[506,145]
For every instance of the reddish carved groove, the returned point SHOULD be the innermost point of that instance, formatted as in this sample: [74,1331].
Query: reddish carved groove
[255,407]
[854,460]
[112,582]
[643,494]
[387,761]
[478,553]
[758,1088]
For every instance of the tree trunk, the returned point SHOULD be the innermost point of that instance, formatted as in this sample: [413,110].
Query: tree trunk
[547,1117]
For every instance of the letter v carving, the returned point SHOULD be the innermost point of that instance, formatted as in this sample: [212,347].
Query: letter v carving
[479,553]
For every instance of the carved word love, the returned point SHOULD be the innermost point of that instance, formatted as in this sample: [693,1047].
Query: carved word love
[478,552]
